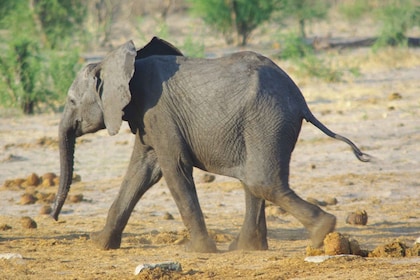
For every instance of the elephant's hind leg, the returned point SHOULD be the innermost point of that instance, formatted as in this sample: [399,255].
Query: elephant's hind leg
[253,235]
[318,222]
[178,176]
[143,172]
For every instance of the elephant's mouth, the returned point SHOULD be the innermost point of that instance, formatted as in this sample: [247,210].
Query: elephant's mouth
[77,129]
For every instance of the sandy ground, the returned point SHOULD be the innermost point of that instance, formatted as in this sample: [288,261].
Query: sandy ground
[378,110]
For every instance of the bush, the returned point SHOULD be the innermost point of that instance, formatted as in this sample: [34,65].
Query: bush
[238,17]
[396,17]
[294,46]
[36,63]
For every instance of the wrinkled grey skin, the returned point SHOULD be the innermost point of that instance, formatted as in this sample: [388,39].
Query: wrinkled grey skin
[238,116]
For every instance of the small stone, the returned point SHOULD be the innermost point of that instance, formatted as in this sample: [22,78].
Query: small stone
[27,199]
[27,222]
[45,210]
[208,178]
[33,180]
[5,227]
[76,178]
[359,217]
[166,266]
[336,244]
[168,216]
[331,201]
[395,96]
[76,198]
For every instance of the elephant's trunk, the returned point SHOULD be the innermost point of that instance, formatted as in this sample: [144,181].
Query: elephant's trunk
[67,139]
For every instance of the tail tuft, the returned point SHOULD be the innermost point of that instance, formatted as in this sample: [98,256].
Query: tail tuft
[359,154]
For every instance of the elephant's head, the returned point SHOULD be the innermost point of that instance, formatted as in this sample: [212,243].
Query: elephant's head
[95,101]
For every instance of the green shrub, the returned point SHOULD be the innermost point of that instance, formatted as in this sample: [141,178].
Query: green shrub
[38,51]
[192,47]
[313,66]
[294,46]
[238,17]
[396,17]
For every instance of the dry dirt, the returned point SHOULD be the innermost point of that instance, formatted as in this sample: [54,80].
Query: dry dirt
[378,110]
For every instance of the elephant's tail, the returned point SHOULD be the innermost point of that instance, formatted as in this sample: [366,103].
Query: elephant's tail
[309,117]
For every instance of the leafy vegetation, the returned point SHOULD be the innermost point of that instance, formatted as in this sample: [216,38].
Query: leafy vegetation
[36,58]
[307,62]
[394,18]
[302,11]
[238,17]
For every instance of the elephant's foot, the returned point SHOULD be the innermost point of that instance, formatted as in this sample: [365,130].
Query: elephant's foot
[202,245]
[249,243]
[324,225]
[105,241]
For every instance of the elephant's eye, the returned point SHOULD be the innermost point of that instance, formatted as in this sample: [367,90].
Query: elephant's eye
[72,101]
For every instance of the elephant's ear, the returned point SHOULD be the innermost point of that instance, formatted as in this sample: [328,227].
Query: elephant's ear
[116,71]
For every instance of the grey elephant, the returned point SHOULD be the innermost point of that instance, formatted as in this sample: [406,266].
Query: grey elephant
[237,116]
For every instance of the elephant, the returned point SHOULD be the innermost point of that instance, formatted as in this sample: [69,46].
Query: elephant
[239,115]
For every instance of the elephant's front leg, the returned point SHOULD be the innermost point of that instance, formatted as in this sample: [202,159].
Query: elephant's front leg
[180,182]
[253,235]
[143,172]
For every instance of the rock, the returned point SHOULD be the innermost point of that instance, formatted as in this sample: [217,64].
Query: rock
[208,178]
[76,178]
[359,217]
[395,96]
[168,216]
[323,258]
[8,256]
[27,198]
[33,180]
[336,244]
[167,266]
[331,201]
[27,222]
[45,210]
[75,198]
[4,227]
